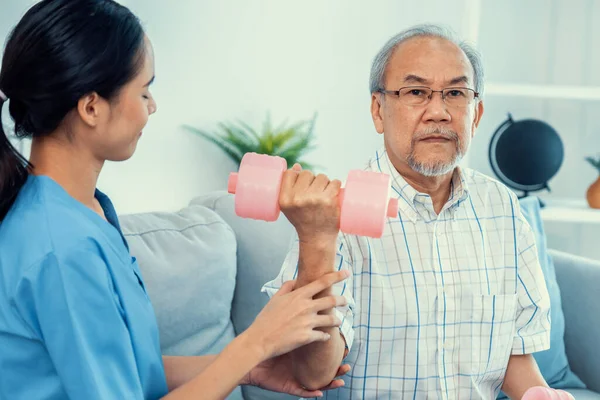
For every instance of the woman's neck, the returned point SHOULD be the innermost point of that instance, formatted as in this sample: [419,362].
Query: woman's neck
[71,166]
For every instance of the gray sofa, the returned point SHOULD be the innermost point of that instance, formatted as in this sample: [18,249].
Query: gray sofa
[204,268]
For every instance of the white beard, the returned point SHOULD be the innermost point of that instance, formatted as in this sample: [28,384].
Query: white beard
[435,168]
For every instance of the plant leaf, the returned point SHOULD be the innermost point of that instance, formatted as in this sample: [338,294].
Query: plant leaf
[267,128]
[236,135]
[237,139]
[595,162]
[280,139]
[249,129]
[231,151]
[290,142]
[281,126]
[296,152]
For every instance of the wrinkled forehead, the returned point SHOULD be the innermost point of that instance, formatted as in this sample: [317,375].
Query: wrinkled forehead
[432,61]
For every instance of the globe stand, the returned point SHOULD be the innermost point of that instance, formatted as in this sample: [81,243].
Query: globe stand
[522,196]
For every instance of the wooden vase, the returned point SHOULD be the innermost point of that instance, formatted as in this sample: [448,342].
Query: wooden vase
[593,194]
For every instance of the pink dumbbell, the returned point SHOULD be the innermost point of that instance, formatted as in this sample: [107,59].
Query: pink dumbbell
[542,393]
[364,200]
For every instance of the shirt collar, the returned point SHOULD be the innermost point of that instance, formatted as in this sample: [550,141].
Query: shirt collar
[459,189]
[407,195]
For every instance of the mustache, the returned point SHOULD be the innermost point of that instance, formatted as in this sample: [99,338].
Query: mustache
[435,131]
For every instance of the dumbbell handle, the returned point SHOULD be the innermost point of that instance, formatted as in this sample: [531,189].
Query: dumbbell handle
[232,182]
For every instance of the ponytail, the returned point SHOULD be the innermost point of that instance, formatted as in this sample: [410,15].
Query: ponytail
[14,169]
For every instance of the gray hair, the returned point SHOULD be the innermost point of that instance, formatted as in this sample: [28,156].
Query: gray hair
[382,58]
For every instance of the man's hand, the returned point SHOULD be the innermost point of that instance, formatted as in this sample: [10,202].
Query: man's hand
[311,204]
[276,375]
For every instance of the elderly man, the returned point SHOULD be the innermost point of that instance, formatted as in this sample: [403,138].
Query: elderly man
[451,301]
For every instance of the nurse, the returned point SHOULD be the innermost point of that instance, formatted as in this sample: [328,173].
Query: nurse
[75,319]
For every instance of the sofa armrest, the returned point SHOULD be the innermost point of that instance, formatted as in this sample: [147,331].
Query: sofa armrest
[579,281]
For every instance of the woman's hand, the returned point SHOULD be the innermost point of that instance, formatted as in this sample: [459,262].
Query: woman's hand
[290,319]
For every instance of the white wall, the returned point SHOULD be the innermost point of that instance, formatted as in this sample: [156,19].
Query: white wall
[222,60]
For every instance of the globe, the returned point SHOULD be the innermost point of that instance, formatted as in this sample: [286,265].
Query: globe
[526,154]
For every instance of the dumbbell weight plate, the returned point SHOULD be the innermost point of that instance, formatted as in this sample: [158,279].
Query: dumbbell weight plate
[364,206]
[258,185]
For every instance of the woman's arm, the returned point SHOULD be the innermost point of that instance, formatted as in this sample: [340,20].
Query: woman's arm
[180,370]
[191,377]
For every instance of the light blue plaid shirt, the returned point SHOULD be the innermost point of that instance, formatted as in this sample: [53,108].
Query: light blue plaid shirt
[439,303]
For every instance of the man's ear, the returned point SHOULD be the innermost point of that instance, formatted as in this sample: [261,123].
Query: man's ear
[477,117]
[377,111]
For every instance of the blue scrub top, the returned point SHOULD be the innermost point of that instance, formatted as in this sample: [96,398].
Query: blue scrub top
[75,319]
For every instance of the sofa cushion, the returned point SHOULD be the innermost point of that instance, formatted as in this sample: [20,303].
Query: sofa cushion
[262,247]
[579,279]
[552,362]
[188,263]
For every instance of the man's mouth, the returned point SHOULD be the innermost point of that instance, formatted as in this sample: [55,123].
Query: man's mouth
[435,139]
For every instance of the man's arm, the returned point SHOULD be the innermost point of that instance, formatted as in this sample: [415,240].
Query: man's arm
[532,320]
[316,364]
[522,374]
[311,204]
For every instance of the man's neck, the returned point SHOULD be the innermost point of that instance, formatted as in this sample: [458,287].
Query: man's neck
[437,187]
[73,168]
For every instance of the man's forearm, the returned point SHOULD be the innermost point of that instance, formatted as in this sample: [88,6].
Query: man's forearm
[316,364]
[522,374]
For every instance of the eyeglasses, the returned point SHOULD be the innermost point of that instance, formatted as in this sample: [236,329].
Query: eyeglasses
[420,95]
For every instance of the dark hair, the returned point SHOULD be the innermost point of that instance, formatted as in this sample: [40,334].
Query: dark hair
[60,51]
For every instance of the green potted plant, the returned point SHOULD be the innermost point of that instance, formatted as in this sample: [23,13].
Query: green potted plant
[593,193]
[290,142]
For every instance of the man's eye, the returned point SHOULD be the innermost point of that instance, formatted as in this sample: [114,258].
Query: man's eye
[456,93]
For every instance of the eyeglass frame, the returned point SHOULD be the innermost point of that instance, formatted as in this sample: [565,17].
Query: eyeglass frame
[397,92]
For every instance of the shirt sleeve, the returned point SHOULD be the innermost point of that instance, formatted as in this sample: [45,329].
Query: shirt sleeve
[533,301]
[289,271]
[69,302]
